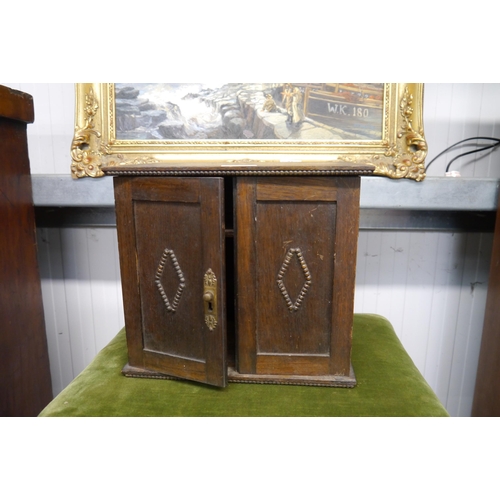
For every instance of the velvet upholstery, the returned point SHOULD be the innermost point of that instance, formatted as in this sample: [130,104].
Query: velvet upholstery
[388,384]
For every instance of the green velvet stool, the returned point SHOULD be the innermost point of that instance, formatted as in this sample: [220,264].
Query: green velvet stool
[389,385]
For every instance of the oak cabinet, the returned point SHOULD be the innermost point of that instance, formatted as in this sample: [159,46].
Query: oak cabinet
[245,279]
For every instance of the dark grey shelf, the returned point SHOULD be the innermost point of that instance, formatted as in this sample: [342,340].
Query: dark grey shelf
[436,204]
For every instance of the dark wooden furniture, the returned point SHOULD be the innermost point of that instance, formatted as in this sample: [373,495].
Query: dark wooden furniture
[246,279]
[487,393]
[25,384]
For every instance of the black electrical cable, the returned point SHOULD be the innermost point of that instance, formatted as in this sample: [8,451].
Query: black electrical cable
[497,142]
[473,151]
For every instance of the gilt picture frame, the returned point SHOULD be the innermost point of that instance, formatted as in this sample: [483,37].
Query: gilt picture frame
[249,128]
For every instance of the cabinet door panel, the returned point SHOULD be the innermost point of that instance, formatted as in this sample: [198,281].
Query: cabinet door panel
[171,235]
[296,255]
[289,242]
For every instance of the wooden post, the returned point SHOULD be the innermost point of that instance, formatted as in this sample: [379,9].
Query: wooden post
[25,384]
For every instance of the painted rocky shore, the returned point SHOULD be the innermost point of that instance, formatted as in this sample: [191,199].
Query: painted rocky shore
[233,111]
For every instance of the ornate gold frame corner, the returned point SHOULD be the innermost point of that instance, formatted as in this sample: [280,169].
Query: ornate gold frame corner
[87,152]
[400,154]
[404,158]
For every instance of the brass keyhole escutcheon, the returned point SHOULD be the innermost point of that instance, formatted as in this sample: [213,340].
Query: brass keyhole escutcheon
[210,299]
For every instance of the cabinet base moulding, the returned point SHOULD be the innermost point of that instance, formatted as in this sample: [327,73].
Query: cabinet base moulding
[249,378]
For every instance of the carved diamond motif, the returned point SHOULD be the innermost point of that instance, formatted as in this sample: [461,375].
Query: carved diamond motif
[170,255]
[294,252]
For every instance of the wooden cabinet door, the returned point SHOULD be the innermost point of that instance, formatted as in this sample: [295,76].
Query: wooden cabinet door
[296,242]
[171,240]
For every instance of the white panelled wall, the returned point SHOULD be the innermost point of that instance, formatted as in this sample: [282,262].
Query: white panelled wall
[82,299]
[430,285]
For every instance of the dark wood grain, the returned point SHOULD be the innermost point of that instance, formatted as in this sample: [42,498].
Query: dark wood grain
[245,259]
[487,392]
[178,225]
[296,231]
[16,105]
[294,245]
[25,383]
[251,378]
[281,227]
[233,169]
[346,244]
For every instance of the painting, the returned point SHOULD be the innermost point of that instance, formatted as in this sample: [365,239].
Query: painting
[236,128]
[248,111]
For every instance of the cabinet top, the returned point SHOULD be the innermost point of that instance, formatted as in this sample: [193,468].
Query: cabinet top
[16,105]
[166,170]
